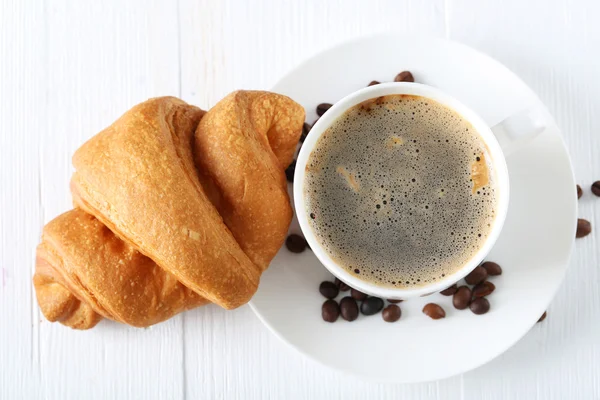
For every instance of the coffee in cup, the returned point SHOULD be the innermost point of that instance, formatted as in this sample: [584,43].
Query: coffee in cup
[401,191]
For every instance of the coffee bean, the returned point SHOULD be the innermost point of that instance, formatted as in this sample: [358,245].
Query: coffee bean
[483,289]
[492,268]
[330,311]
[450,291]
[543,317]
[404,76]
[478,275]
[394,301]
[305,131]
[372,83]
[295,243]
[343,287]
[357,294]
[289,171]
[371,305]
[596,188]
[584,228]
[322,108]
[462,298]
[329,289]
[349,308]
[580,192]
[480,306]
[391,313]
[434,311]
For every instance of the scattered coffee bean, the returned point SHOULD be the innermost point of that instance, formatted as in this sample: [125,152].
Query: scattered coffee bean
[462,298]
[478,275]
[357,294]
[480,306]
[434,311]
[543,317]
[289,171]
[322,108]
[596,188]
[295,243]
[329,289]
[391,313]
[492,268]
[330,311]
[580,192]
[404,76]
[450,291]
[371,305]
[394,301]
[349,308]
[584,228]
[305,131]
[372,83]
[483,289]
[343,287]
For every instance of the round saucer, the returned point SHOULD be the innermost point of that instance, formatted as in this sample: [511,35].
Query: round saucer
[533,248]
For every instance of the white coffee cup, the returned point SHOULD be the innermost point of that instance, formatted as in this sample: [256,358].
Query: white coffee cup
[501,139]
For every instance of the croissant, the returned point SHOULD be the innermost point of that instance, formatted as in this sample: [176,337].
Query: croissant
[174,208]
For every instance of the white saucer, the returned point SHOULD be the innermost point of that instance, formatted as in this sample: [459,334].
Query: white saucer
[533,249]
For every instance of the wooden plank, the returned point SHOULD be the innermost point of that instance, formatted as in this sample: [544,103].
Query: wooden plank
[549,44]
[100,59]
[229,45]
[21,74]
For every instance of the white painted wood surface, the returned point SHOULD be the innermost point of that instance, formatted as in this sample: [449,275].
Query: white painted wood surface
[69,68]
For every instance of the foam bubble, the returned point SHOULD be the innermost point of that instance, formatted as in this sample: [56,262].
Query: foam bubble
[390,186]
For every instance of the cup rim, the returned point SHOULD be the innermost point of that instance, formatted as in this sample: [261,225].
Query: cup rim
[409,88]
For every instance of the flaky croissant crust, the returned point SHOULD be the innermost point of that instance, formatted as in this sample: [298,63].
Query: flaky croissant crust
[175,208]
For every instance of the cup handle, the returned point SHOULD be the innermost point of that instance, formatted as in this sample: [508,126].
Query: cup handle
[519,129]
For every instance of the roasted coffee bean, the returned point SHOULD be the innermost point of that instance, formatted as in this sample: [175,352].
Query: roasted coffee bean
[295,243]
[580,192]
[322,108]
[289,171]
[372,83]
[349,308]
[584,228]
[343,287]
[450,291]
[434,311]
[543,317]
[330,311]
[394,301]
[329,289]
[596,188]
[492,268]
[391,313]
[357,294]
[478,275]
[371,305]
[480,306]
[404,76]
[483,289]
[305,131]
[462,298]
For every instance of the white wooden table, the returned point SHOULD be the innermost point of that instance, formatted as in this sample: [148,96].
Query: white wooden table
[69,68]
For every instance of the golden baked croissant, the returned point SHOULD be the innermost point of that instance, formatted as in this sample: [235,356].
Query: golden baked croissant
[175,208]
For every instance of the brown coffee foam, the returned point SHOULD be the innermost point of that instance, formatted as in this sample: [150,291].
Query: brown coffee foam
[398,193]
